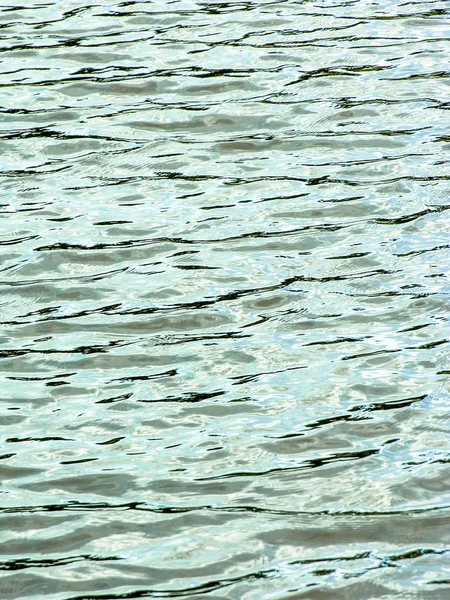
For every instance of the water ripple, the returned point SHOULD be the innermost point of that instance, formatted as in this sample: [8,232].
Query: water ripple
[224,290]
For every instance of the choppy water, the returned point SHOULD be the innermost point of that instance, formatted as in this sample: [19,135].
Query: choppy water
[225,299]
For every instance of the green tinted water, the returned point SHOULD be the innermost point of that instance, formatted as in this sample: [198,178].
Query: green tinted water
[225,298]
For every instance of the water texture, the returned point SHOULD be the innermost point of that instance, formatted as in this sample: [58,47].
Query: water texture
[225,282]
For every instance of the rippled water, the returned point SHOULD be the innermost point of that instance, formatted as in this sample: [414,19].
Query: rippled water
[225,299]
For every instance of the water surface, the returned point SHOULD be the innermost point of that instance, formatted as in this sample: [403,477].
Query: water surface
[224,300]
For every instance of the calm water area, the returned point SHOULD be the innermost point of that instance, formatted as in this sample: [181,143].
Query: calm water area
[224,293]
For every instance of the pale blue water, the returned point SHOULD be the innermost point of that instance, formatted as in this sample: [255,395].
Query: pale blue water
[224,300]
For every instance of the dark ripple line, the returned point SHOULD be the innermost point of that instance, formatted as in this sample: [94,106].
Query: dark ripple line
[361,409]
[311,181]
[241,379]
[423,251]
[411,216]
[15,440]
[19,564]
[374,353]
[93,277]
[18,240]
[78,506]
[53,309]
[207,587]
[188,397]
[307,464]
[94,349]
[67,43]
[178,240]
[34,171]
[389,404]
[221,298]
[434,12]
[366,161]
[169,373]
[433,75]
[254,291]
[45,132]
[426,346]
[344,70]
[232,181]
[339,340]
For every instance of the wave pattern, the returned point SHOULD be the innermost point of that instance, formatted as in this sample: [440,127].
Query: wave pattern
[225,299]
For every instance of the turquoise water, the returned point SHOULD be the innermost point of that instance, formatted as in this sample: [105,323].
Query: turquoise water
[225,285]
